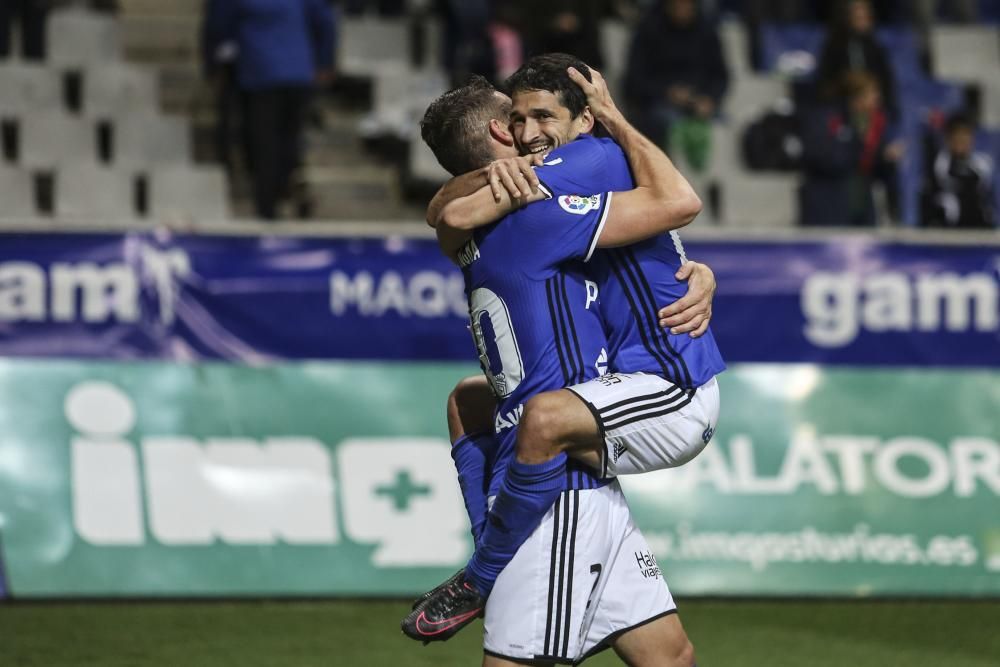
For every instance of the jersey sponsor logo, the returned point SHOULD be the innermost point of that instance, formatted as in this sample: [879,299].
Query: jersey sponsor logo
[579,204]
[647,564]
[468,254]
[618,451]
[510,419]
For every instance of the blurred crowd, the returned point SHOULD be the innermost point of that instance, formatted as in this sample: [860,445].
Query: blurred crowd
[268,58]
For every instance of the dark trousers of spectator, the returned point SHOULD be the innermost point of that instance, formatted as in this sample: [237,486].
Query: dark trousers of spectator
[233,139]
[30,15]
[277,117]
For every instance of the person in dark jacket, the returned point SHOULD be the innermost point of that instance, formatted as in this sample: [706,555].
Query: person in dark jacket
[676,77]
[283,49]
[846,151]
[564,26]
[960,189]
[851,46]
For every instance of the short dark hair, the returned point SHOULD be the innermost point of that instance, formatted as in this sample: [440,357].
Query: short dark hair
[959,121]
[548,72]
[455,125]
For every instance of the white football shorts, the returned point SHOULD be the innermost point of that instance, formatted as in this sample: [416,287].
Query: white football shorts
[585,576]
[647,422]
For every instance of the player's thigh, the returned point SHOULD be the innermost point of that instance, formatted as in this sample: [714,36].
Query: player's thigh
[660,643]
[647,422]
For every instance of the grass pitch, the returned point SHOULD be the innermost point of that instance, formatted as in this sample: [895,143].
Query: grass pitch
[351,633]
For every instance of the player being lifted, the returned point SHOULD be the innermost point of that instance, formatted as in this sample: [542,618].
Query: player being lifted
[624,414]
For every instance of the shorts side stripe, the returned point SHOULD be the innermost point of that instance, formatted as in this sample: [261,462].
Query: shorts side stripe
[652,415]
[645,397]
[562,576]
[552,570]
[572,564]
[611,420]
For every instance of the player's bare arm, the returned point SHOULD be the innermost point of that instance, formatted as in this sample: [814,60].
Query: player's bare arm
[509,181]
[662,200]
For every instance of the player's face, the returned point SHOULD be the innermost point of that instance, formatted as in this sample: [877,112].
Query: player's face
[540,123]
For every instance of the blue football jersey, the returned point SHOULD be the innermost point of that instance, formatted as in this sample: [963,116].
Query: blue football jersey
[533,313]
[635,281]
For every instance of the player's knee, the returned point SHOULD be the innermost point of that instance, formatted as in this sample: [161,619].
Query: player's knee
[469,407]
[541,430]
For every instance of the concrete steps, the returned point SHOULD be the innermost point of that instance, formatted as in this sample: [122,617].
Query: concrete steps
[343,180]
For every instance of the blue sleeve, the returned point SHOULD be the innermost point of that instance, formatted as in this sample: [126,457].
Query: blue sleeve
[580,167]
[562,228]
[322,29]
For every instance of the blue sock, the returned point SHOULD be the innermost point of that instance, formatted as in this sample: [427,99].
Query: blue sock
[527,493]
[472,453]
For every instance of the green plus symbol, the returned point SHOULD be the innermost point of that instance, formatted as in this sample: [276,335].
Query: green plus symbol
[403,490]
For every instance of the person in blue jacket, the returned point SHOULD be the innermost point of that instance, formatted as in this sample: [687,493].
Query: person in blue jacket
[284,48]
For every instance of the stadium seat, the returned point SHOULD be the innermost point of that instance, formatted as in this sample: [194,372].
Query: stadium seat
[615,42]
[93,193]
[77,37]
[149,139]
[26,88]
[17,193]
[966,53]
[423,166]
[760,200]
[400,96]
[111,88]
[735,47]
[48,139]
[748,97]
[795,49]
[188,193]
[370,44]
[790,49]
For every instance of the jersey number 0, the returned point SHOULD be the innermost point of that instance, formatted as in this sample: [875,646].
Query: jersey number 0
[499,355]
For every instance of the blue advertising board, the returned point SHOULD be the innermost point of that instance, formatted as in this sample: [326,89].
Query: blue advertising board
[145,295]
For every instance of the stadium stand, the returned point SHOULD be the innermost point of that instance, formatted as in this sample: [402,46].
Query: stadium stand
[109,78]
[84,128]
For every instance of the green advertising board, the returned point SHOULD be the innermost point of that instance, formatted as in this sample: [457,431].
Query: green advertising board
[155,479]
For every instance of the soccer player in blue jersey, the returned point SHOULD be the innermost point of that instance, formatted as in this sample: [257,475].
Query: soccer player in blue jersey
[514,270]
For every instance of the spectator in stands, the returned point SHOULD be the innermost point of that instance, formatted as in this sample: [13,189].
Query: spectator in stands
[284,49]
[676,78]
[851,46]
[960,188]
[846,151]
[232,135]
[29,15]
[468,48]
[564,26]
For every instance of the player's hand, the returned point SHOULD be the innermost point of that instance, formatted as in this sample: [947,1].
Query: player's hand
[693,311]
[598,96]
[515,175]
